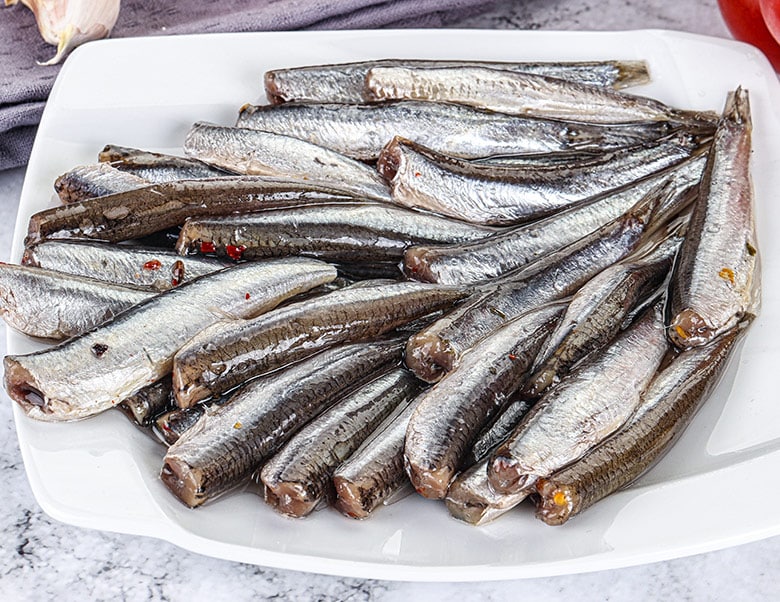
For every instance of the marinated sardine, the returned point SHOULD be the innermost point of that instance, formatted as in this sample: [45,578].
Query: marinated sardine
[147,267]
[231,441]
[341,233]
[716,281]
[136,348]
[228,353]
[583,409]
[299,475]
[255,152]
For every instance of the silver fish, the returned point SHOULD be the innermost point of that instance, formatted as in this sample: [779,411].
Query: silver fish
[716,280]
[52,305]
[146,405]
[144,211]
[361,131]
[136,348]
[503,195]
[343,232]
[344,82]
[597,312]
[437,349]
[499,253]
[583,409]
[299,475]
[520,94]
[229,442]
[156,167]
[228,353]
[497,430]
[147,267]
[451,414]
[666,408]
[254,152]
[375,470]
[91,181]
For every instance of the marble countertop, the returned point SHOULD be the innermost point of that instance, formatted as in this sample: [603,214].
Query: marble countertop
[41,559]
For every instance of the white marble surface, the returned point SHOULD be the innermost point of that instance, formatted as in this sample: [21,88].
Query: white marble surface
[41,559]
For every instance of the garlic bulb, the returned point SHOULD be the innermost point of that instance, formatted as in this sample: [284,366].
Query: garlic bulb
[69,23]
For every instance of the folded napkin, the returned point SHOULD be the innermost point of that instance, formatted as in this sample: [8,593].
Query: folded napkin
[24,85]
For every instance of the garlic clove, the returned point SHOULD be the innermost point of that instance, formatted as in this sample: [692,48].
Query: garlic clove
[69,23]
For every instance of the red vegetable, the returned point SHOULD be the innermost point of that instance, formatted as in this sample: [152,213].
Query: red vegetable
[770,10]
[745,20]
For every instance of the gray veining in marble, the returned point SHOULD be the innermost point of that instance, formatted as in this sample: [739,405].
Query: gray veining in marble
[41,559]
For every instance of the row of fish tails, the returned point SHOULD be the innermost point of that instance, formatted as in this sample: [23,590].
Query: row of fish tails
[522,363]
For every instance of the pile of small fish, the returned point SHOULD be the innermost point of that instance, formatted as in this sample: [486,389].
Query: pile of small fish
[494,281]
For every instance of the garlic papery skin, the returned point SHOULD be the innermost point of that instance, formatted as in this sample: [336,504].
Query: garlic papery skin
[69,23]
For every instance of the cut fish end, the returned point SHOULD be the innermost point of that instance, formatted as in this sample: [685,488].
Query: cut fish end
[417,267]
[350,499]
[430,483]
[468,510]
[556,503]
[689,329]
[470,507]
[290,499]
[185,393]
[272,92]
[22,386]
[429,357]
[390,158]
[183,481]
[506,475]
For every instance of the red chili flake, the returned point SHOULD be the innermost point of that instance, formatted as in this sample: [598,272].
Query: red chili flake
[152,265]
[417,174]
[247,296]
[512,357]
[207,246]
[235,252]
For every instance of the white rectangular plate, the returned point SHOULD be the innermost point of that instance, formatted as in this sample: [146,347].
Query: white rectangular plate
[716,488]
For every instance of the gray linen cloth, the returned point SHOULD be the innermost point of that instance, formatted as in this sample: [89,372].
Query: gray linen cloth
[25,85]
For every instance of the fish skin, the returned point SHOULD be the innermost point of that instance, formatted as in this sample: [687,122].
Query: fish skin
[226,354]
[157,207]
[255,152]
[298,477]
[53,305]
[667,407]
[344,82]
[452,413]
[91,181]
[231,441]
[520,94]
[136,348]
[375,470]
[501,196]
[716,281]
[497,430]
[597,312]
[437,349]
[585,408]
[145,406]
[493,256]
[361,131]
[157,167]
[145,267]
[342,233]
